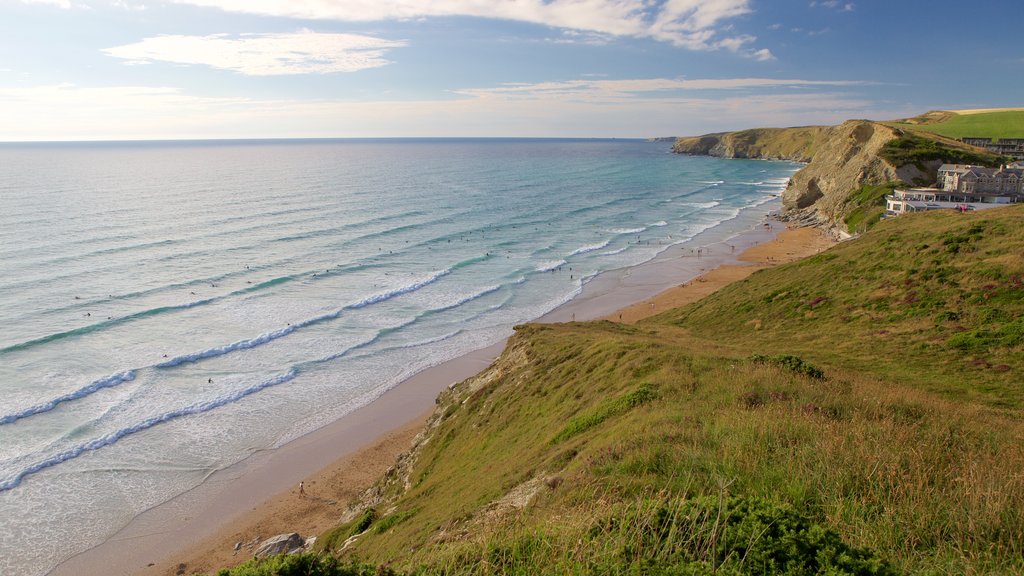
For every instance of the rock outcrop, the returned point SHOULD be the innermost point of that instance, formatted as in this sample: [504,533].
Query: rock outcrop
[280,544]
[846,158]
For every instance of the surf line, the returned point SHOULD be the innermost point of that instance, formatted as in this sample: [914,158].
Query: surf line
[109,439]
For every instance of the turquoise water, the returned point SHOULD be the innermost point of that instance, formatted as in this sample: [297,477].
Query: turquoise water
[171,308]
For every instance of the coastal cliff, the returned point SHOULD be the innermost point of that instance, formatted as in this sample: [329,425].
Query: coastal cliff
[796,144]
[850,167]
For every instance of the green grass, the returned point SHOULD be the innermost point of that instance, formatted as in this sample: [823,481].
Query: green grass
[857,412]
[654,534]
[866,205]
[914,285]
[917,150]
[1005,124]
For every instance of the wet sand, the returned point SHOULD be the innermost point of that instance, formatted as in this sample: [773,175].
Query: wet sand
[791,244]
[258,498]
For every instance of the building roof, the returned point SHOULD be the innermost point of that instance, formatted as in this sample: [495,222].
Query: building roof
[918,206]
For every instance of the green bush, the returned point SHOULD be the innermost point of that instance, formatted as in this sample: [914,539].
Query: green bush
[916,150]
[306,564]
[792,363]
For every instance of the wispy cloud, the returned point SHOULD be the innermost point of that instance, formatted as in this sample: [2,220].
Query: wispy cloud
[623,90]
[579,108]
[693,24]
[835,5]
[302,52]
[65,4]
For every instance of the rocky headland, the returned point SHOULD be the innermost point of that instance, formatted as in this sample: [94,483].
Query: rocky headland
[849,166]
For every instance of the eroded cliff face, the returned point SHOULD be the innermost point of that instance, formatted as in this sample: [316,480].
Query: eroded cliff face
[846,159]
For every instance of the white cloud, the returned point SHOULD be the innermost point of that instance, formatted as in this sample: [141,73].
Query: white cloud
[65,4]
[693,24]
[763,55]
[835,5]
[264,54]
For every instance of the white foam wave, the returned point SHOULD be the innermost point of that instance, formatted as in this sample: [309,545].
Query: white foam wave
[551,265]
[105,382]
[627,230]
[659,223]
[282,332]
[614,252]
[703,205]
[97,443]
[590,248]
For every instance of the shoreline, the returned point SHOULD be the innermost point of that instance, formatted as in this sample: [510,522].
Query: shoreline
[257,497]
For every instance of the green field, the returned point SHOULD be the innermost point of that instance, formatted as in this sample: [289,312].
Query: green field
[857,412]
[1004,124]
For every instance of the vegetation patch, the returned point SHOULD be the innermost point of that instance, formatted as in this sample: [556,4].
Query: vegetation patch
[916,150]
[866,206]
[306,564]
[642,395]
[998,124]
[792,363]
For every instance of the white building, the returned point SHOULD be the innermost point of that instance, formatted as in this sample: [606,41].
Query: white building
[926,199]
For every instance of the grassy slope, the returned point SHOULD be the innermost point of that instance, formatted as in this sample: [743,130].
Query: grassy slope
[638,442]
[1004,124]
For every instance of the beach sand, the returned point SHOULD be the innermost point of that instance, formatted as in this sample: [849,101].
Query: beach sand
[258,497]
[791,244]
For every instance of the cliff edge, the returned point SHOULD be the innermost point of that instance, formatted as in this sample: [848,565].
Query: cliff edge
[796,144]
[850,167]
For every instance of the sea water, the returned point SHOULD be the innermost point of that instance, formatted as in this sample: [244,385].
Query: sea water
[167,309]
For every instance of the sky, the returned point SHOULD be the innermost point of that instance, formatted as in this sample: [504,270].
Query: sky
[207,69]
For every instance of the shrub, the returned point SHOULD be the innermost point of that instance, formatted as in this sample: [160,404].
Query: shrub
[792,363]
[306,564]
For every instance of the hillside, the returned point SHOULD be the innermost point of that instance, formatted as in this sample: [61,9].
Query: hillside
[850,166]
[857,412]
[994,124]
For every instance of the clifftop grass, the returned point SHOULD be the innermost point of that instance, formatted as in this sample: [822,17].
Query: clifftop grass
[996,124]
[917,150]
[858,412]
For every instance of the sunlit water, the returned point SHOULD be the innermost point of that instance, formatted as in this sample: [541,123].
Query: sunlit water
[168,309]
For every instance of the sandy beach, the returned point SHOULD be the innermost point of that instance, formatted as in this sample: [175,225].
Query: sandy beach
[791,244]
[257,498]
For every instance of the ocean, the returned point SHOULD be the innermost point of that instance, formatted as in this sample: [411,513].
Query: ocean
[170,308]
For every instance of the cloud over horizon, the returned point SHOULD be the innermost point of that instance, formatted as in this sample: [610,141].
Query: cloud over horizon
[591,108]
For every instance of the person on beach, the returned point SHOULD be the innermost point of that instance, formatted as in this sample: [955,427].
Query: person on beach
[302,489]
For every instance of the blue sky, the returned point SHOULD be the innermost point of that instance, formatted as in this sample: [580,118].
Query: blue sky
[146,69]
